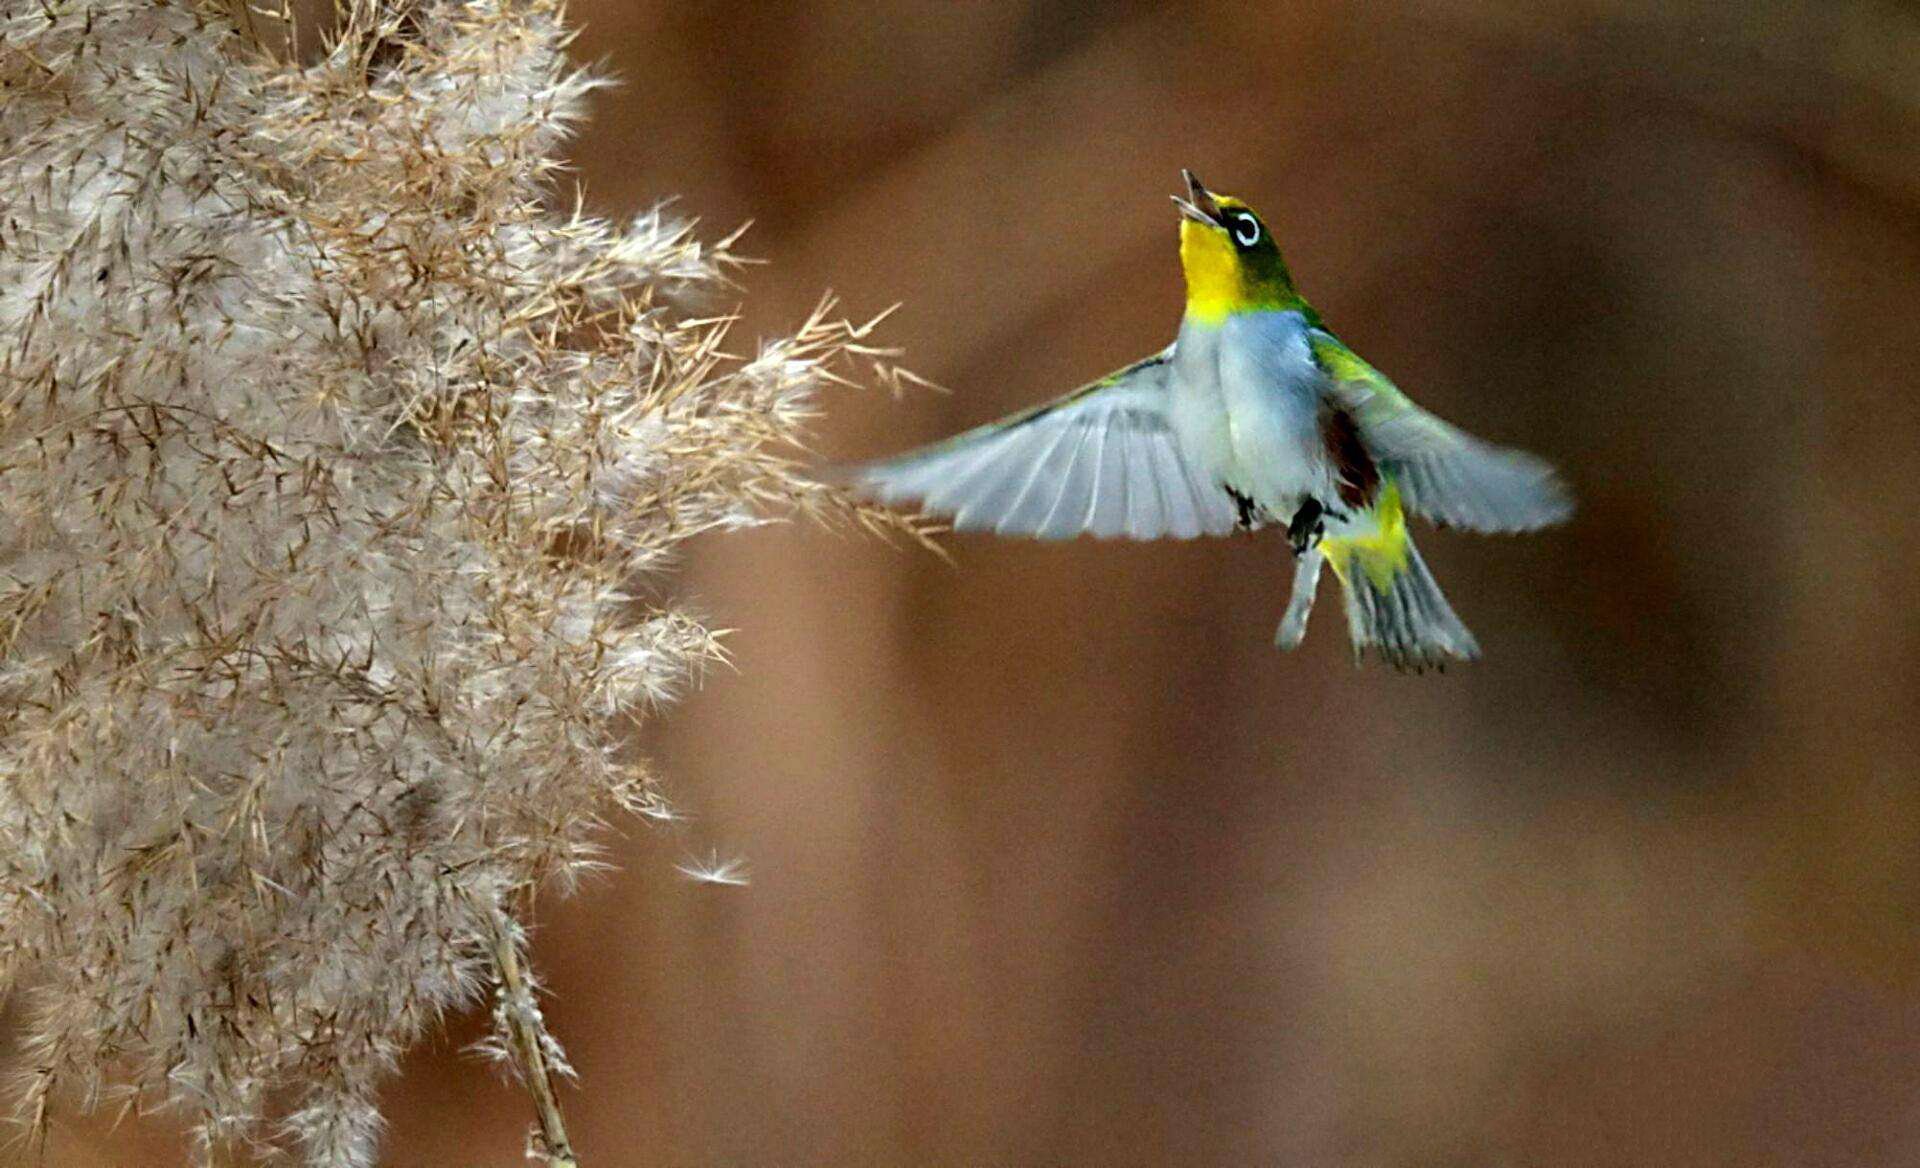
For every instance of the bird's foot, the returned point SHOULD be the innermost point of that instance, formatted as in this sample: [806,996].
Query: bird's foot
[1249,511]
[1309,524]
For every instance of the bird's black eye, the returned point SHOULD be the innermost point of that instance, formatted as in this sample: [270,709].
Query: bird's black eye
[1245,228]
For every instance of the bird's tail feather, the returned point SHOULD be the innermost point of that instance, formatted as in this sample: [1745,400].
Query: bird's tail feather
[1394,607]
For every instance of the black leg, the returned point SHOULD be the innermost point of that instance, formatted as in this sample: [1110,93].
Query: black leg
[1307,526]
[1246,506]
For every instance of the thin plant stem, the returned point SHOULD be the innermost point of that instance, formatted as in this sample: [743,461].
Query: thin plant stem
[526,1034]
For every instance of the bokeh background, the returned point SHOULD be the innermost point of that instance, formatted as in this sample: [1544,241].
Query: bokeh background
[1055,861]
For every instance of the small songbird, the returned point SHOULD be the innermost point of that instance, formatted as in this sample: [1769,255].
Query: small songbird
[1255,414]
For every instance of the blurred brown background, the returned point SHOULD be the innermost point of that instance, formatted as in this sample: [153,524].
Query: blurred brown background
[1055,860]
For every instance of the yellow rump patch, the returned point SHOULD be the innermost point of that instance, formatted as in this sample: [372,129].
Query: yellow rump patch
[1380,553]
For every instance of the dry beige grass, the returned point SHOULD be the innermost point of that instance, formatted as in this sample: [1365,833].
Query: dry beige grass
[335,462]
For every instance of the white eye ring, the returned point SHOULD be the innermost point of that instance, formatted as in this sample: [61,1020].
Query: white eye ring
[1251,227]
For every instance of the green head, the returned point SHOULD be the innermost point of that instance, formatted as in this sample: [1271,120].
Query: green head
[1231,262]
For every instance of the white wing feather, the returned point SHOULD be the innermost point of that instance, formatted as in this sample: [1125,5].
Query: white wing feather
[1101,460]
[1445,474]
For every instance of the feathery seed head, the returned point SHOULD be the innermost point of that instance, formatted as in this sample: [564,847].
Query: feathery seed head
[331,450]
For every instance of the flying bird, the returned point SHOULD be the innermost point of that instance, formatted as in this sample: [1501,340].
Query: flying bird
[1255,415]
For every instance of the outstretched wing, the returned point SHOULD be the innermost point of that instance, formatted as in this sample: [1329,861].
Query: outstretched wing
[1102,460]
[1445,474]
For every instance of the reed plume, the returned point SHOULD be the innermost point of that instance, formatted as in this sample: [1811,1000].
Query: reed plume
[339,463]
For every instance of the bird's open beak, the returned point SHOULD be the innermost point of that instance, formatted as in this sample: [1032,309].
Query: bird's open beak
[1198,205]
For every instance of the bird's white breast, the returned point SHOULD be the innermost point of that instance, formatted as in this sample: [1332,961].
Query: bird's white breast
[1245,406]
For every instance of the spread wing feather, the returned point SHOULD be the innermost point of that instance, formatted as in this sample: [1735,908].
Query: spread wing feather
[1445,474]
[1101,460]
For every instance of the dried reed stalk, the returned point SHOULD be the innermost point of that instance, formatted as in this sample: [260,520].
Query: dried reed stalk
[334,465]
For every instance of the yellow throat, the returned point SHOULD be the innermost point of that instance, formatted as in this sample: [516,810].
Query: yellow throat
[1224,279]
